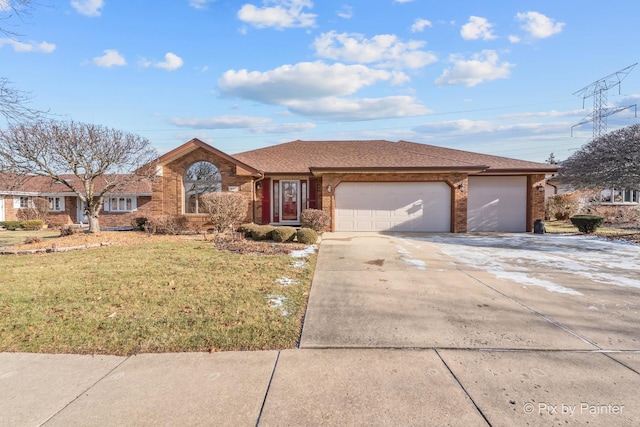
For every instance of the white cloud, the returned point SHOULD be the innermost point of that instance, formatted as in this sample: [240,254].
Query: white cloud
[478,127]
[420,24]
[302,81]
[514,39]
[477,28]
[200,4]
[343,109]
[221,122]
[544,114]
[283,14]
[285,128]
[385,50]
[481,68]
[259,125]
[345,12]
[21,47]
[171,62]
[538,25]
[402,1]
[88,7]
[111,58]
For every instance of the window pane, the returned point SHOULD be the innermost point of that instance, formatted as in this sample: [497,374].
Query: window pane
[200,178]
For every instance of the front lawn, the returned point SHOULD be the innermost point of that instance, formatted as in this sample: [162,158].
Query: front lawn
[15,237]
[173,296]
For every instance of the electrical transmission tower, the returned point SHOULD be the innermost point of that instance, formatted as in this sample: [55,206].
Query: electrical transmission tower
[598,90]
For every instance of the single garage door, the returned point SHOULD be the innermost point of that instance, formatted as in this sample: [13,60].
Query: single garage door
[497,203]
[393,206]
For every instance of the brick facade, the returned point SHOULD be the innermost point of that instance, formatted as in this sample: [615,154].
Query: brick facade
[69,215]
[168,189]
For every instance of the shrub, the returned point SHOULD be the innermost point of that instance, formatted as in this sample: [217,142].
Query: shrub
[32,224]
[225,210]
[586,223]
[617,215]
[262,232]
[307,236]
[11,225]
[70,230]
[315,219]
[283,234]
[39,210]
[246,229]
[562,206]
[32,239]
[140,223]
[167,224]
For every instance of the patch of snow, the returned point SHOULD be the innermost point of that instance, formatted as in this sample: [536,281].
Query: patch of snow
[277,302]
[419,264]
[304,253]
[526,279]
[300,264]
[285,281]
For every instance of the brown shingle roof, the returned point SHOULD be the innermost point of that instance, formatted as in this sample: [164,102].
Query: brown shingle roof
[44,185]
[305,156]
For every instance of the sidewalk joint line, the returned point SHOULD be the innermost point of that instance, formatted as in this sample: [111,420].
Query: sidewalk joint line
[266,393]
[85,391]
[548,319]
[463,389]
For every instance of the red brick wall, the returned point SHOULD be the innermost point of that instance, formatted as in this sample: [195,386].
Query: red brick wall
[168,197]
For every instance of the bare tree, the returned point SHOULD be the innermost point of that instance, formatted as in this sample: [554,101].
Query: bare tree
[103,160]
[10,9]
[14,102]
[612,160]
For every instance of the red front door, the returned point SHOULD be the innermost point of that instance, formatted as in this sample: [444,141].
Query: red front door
[290,200]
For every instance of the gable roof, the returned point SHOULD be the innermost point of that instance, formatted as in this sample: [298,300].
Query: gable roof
[13,184]
[193,145]
[317,156]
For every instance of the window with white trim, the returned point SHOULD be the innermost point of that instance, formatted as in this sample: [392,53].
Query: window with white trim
[56,204]
[22,202]
[120,204]
[616,196]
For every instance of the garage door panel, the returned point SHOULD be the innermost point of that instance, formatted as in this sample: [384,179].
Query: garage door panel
[497,204]
[397,206]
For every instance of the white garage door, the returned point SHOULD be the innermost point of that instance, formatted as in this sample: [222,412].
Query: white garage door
[497,203]
[393,206]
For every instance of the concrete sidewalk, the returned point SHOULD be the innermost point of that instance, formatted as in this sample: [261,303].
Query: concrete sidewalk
[320,387]
[400,330]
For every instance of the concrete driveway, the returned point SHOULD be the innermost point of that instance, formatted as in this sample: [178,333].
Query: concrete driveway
[534,329]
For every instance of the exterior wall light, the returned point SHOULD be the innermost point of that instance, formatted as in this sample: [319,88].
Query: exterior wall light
[329,188]
[540,188]
[461,187]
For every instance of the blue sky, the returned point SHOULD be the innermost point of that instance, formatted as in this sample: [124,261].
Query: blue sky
[489,76]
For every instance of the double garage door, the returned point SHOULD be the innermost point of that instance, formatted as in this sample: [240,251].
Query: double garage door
[393,206]
[494,204]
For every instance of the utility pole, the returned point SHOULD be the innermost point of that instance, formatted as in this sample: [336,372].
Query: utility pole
[598,90]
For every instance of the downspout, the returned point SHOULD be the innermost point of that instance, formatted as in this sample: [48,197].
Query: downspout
[253,196]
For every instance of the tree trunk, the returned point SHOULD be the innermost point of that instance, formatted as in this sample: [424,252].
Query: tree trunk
[94,224]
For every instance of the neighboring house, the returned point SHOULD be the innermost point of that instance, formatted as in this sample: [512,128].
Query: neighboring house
[65,207]
[607,196]
[362,185]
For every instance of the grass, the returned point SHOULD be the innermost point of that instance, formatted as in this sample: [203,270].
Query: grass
[153,297]
[8,238]
[559,227]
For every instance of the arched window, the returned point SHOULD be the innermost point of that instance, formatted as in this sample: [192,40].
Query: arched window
[200,178]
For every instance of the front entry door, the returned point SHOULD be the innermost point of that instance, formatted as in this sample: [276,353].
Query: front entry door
[290,200]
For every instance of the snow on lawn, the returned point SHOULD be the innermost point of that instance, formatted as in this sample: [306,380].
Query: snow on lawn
[285,281]
[302,254]
[524,258]
[277,303]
